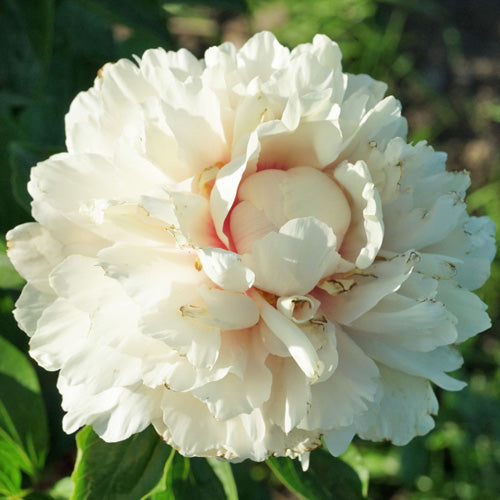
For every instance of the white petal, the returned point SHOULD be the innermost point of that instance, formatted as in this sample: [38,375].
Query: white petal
[422,227]
[382,279]
[234,395]
[473,243]
[247,225]
[33,250]
[292,261]
[467,307]
[230,310]
[378,125]
[364,238]
[337,440]
[404,411]
[291,394]
[431,365]
[186,215]
[173,282]
[345,395]
[115,414]
[62,330]
[35,297]
[226,269]
[419,326]
[298,308]
[293,337]
[227,183]
[262,54]
[316,144]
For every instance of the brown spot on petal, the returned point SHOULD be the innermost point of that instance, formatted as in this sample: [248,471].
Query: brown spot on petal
[268,297]
[336,286]
[101,69]
[358,272]
[197,264]
[321,321]
[191,311]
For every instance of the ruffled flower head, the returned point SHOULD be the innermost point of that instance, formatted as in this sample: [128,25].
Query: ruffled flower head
[245,252]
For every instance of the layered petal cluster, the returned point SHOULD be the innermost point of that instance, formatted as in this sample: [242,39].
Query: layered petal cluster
[245,252]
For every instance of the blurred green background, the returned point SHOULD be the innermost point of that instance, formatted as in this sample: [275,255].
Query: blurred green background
[440,58]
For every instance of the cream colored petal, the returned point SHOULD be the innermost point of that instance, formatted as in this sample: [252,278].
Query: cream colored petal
[421,227]
[345,395]
[226,269]
[431,365]
[292,261]
[472,243]
[33,250]
[315,144]
[293,337]
[405,410]
[366,233]
[35,297]
[230,310]
[62,330]
[226,185]
[240,394]
[382,279]
[291,394]
[247,225]
[337,440]
[468,309]
[419,326]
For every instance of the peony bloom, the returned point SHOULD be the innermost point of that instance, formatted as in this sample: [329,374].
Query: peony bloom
[245,252]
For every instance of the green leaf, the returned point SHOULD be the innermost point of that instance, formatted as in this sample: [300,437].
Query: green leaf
[354,459]
[224,472]
[117,471]
[10,470]
[21,69]
[9,277]
[23,423]
[11,212]
[328,478]
[39,20]
[187,479]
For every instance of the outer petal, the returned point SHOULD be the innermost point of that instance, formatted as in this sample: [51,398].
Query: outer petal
[345,395]
[291,394]
[404,411]
[431,365]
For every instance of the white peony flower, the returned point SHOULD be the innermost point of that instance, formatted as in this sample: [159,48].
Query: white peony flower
[245,252]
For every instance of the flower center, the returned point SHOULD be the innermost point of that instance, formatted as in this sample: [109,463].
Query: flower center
[270,198]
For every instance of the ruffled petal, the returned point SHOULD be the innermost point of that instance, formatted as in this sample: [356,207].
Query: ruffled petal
[405,410]
[365,235]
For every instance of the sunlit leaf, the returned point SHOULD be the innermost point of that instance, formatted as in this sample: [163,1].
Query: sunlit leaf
[189,479]
[328,478]
[23,424]
[224,472]
[117,471]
